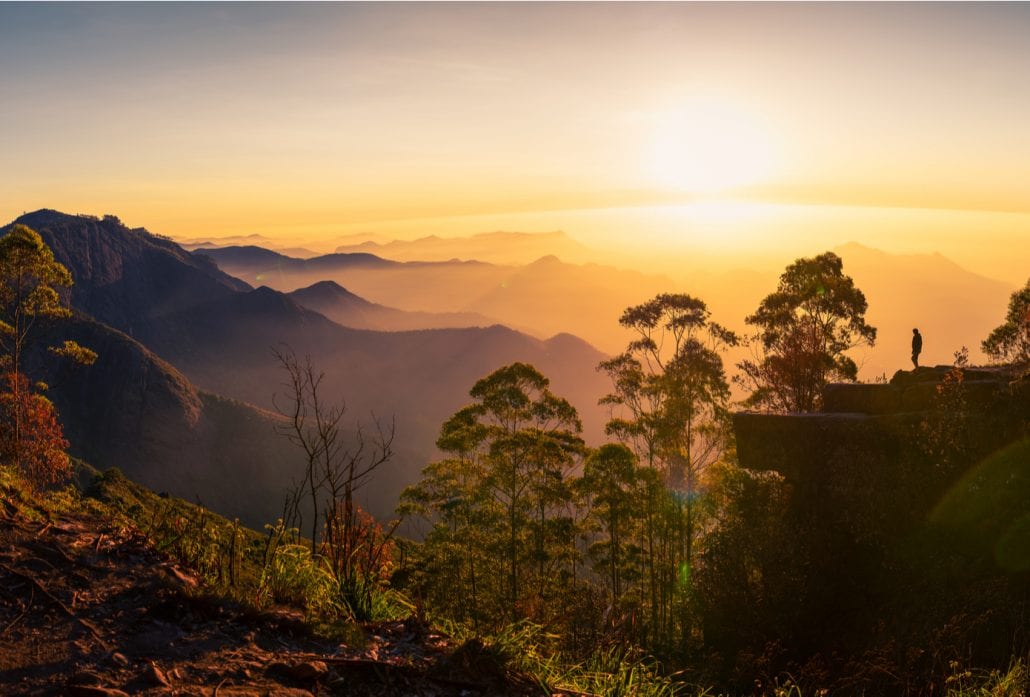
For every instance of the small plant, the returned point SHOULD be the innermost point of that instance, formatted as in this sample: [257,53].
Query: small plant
[964,682]
[526,648]
[292,576]
[30,434]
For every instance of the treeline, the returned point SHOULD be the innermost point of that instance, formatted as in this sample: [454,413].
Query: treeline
[658,539]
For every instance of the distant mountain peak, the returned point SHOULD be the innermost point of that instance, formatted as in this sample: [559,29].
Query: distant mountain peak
[326,291]
[552,235]
[48,217]
[928,261]
[547,260]
[325,286]
[496,247]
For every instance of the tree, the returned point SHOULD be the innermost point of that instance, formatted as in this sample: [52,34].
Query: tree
[350,542]
[670,404]
[751,573]
[609,480]
[531,439]
[670,391]
[804,329]
[30,283]
[30,434]
[505,487]
[30,279]
[1010,342]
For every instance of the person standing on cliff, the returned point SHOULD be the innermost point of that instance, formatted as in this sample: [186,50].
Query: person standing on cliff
[917,347]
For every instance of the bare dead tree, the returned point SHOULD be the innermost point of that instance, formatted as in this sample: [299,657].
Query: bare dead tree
[337,464]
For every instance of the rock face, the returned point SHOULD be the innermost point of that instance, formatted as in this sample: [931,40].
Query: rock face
[802,446]
[862,425]
[127,278]
[896,499]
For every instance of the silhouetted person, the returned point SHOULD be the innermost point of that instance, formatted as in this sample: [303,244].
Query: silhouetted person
[917,347]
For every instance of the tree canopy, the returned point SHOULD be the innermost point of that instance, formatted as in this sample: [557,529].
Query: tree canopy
[804,329]
[1010,341]
[498,502]
[30,284]
[670,392]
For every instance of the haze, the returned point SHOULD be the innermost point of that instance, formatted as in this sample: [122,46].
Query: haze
[704,146]
[303,122]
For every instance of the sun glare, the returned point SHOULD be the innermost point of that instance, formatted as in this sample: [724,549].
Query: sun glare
[707,146]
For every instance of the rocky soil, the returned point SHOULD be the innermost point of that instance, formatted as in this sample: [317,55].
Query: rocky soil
[87,609]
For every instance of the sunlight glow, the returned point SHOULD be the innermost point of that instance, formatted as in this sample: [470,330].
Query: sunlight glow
[709,146]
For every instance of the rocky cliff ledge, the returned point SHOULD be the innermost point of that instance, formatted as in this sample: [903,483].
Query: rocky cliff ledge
[867,425]
[902,505]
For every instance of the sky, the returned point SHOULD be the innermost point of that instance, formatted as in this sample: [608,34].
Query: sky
[301,119]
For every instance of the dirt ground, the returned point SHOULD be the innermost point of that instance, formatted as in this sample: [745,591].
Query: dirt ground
[88,609]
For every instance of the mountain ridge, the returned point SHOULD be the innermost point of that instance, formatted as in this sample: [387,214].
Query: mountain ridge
[351,310]
[218,334]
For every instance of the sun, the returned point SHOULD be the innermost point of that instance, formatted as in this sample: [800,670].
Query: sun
[709,146]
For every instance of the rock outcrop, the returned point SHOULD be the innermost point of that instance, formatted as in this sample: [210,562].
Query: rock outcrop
[903,504]
[868,425]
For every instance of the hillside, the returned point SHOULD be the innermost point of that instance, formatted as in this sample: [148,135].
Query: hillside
[219,335]
[127,278]
[416,379]
[343,307]
[134,411]
[545,297]
[98,603]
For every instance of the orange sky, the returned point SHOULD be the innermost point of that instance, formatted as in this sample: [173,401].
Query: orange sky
[216,119]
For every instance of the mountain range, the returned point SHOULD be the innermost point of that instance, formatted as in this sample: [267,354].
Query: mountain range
[952,306]
[182,397]
[492,247]
[189,351]
[545,297]
[500,247]
[343,307]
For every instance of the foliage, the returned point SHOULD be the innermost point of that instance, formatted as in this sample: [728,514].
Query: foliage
[72,351]
[30,281]
[225,555]
[995,683]
[670,391]
[945,432]
[1010,342]
[527,649]
[748,581]
[503,536]
[30,434]
[803,331]
[30,284]
[610,481]
[670,404]
[293,576]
